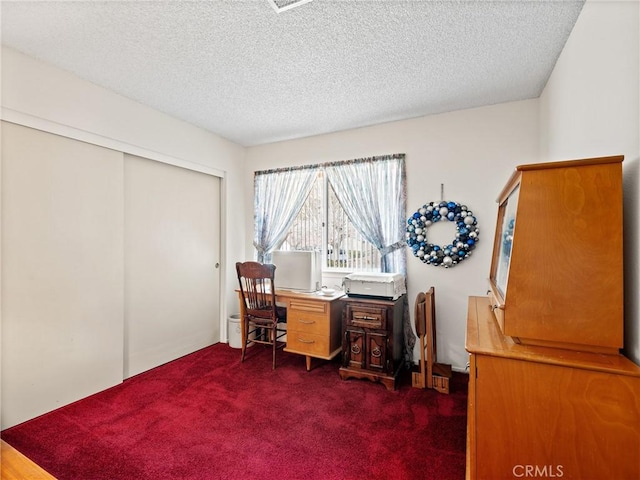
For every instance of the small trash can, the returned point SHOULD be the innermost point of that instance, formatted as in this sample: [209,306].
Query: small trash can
[234,331]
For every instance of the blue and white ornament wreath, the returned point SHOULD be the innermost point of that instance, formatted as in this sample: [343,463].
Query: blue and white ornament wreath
[461,246]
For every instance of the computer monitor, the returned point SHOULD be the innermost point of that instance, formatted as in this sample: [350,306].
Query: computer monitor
[297,270]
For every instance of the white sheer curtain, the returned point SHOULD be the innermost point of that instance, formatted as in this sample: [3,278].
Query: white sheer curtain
[278,197]
[372,193]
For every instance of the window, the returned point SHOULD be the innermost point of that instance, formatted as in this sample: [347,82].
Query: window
[322,224]
[353,211]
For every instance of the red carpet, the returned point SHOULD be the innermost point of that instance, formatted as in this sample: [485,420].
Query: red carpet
[207,416]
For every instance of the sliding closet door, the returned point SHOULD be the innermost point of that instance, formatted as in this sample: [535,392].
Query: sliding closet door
[172,245]
[62,271]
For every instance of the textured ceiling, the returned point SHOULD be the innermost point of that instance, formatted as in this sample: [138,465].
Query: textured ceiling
[252,75]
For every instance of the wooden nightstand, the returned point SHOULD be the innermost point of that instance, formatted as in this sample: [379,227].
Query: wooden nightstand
[372,340]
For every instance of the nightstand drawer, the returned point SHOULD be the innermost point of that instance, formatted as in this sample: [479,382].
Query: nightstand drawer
[307,343]
[366,316]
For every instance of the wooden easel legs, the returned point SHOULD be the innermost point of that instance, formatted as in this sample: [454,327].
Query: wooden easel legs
[439,379]
[429,374]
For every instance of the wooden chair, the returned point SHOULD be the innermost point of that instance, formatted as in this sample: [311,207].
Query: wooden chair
[431,374]
[261,315]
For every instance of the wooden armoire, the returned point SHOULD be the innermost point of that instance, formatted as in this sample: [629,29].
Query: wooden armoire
[550,394]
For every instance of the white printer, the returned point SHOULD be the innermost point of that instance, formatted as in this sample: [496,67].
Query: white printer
[389,286]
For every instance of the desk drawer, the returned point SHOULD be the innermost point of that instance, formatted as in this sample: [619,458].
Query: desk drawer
[308,306]
[365,316]
[307,323]
[307,343]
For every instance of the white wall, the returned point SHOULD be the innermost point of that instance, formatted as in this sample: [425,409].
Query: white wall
[591,107]
[41,96]
[471,152]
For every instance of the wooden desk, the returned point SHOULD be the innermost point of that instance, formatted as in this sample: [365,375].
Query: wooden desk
[314,323]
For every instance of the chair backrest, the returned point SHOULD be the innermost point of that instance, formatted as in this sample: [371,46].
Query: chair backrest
[258,288]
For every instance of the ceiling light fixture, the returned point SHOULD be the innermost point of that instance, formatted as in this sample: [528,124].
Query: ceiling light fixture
[282,5]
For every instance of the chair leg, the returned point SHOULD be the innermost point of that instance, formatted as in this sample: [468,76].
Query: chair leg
[245,335]
[275,335]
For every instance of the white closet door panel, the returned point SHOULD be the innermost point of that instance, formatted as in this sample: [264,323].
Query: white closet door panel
[172,245]
[62,271]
